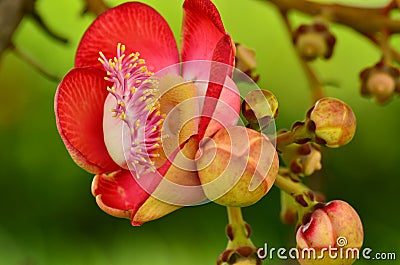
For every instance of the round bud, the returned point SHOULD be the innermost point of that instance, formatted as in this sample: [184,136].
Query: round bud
[335,225]
[237,166]
[313,41]
[333,122]
[380,82]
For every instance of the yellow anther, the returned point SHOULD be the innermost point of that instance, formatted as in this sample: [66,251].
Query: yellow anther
[123,116]
[108,73]
[154,129]
[121,58]
[141,61]
[143,159]
[127,75]
[137,123]
[101,61]
[133,89]
[138,81]
[136,162]
[123,48]
[106,78]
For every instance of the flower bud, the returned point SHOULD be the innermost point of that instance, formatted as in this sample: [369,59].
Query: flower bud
[332,121]
[380,82]
[259,107]
[313,41]
[237,166]
[246,61]
[302,159]
[241,255]
[333,229]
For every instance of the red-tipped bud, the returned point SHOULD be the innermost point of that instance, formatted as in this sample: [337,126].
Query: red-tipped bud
[333,122]
[237,166]
[381,82]
[313,41]
[334,231]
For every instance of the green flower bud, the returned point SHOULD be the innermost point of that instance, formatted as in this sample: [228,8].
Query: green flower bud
[259,108]
[302,159]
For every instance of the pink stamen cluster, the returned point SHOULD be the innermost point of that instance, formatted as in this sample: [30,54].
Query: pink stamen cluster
[136,95]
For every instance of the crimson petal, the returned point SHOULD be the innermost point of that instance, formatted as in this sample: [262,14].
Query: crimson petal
[219,71]
[202,29]
[118,194]
[138,26]
[79,107]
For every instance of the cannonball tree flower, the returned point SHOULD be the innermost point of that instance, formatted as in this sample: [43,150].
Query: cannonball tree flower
[133,116]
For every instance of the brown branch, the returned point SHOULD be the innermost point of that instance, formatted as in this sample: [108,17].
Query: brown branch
[362,19]
[377,41]
[11,14]
[95,7]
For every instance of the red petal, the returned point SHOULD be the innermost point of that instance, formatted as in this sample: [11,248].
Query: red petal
[118,194]
[219,71]
[79,107]
[135,25]
[202,30]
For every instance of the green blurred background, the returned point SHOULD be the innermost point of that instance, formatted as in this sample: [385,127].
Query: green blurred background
[48,215]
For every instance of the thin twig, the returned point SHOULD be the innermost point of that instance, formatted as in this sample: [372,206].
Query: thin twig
[317,91]
[28,59]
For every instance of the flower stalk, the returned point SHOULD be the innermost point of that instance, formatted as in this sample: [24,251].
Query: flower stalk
[240,249]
